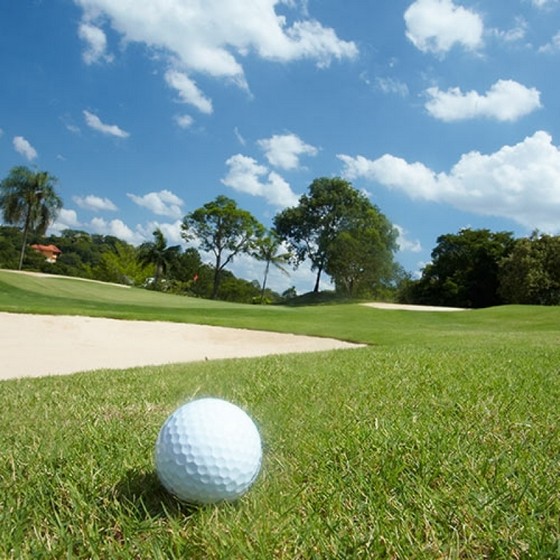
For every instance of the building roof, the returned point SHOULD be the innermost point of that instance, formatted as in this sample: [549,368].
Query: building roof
[46,248]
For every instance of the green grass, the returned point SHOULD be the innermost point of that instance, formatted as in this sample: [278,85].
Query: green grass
[439,440]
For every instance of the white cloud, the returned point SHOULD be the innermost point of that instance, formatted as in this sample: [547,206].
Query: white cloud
[171,231]
[183,121]
[95,203]
[162,203]
[406,244]
[520,182]
[391,86]
[116,228]
[93,121]
[436,26]
[285,150]
[208,36]
[96,43]
[544,3]
[553,46]
[506,100]
[514,34]
[24,148]
[239,136]
[188,91]
[246,175]
[66,219]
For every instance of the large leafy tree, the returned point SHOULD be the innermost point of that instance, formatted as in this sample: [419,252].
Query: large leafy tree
[222,228]
[120,264]
[28,199]
[158,254]
[330,219]
[530,274]
[269,250]
[464,271]
[360,260]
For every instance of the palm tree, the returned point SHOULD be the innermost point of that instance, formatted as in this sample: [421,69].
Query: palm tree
[28,199]
[267,250]
[157,253]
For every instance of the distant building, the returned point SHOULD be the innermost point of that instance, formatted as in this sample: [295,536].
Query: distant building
[50,252]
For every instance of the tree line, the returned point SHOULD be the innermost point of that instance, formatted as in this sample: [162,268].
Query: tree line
[333,227]
[477,268]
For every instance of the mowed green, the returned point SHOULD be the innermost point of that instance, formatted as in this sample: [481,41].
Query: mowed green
[438,440]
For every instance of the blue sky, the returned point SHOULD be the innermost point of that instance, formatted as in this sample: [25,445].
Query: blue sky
[445,112]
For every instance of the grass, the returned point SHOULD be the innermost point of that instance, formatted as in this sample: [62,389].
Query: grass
[440,440]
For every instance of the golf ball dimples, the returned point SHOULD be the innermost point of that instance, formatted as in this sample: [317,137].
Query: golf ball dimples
[208,451]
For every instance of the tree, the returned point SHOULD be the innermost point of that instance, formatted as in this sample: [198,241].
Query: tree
[222,228]
[464,271]
[329,219]
[121,265]
[28,200]
[268,250]
[530,274]
[360,259]
[157,253]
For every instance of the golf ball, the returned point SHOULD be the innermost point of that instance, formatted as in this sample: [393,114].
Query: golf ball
[207,451]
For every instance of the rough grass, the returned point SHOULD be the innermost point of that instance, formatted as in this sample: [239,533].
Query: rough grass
[440,440]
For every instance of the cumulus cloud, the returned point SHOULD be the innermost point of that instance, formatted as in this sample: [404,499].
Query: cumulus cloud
[553,46]
[436,26]
[116,228]
[209,37]
[95,203]
[96,43]
[405,243]
[66,219]
[391,86]
[544,3]
[284,150]
[506,100]
[519,182]
[514,34]
[162,203]
[188,91]
[93,121]
[183,121]
[24,148]
[171,231]
[247,176]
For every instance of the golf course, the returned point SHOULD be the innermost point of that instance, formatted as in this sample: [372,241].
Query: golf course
[437,438]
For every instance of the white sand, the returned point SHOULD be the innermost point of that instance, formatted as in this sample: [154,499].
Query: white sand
[35,345]
[407,307]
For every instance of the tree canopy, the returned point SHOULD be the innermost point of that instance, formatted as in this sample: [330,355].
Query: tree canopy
[158,254]
[28,200]
[222,228]
[465,269]
[530,274]
[268,249]
[341,232]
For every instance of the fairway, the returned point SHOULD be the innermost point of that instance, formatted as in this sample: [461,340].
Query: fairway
[439,439]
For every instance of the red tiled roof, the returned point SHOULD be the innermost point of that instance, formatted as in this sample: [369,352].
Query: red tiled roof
[46,248]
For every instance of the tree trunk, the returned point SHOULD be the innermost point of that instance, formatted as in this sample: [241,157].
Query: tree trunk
[318,280]
[25,232]
[216,285]
[264,280]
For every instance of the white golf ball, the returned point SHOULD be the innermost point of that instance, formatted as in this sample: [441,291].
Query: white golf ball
[208,451]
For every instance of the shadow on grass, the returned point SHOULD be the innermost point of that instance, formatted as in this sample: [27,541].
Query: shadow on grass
[142,494]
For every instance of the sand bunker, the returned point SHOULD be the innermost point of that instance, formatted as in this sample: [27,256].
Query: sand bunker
[407,307]
[35,345]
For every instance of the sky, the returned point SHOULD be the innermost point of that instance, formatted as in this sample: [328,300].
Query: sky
[445,113]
